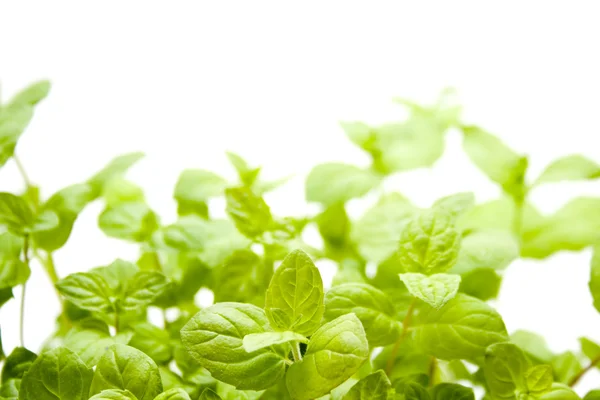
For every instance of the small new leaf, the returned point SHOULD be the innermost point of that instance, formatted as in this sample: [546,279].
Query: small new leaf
[538,379]
[436,290]
[294,299]
[570,168]
[87,290]
[248,211]
[257,341]
[337,183]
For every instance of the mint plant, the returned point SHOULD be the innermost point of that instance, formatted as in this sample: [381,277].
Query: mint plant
[418,326]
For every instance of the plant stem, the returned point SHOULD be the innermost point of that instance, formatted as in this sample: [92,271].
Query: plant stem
[592,364]
[28,182]
[405,325]
[296,351]
[116,322]
[22,312]
[518,216]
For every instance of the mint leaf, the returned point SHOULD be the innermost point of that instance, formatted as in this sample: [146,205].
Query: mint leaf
[208,394]
[560,392]
[482,283]
[57,374]
[247,174]
[335,352]
[337,183]
[114,395]
[13,271]
[294,299]
[214,337]
[257,341]
[451,391]
[248,211]
[501,164]
[429,244]
[13,122]
[32,94]
[377,232]
[373,308]
[589,348]
[505,369]
[463,329]
[133,221]
[86,290]
[594,283]
[375,386]
[17,363]
[243,277]
[435,290]
[89,344]
[142,289]
[125,368]
[153,341]
[570,168]
[173,394]
[195,187]
[15,214]
[538,379]
[533,345]
[486,249]
[566,365]
[120,190]
[116,168]
[456,204]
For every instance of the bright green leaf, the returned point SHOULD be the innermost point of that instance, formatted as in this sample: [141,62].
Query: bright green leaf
[17,363]
[456,204]
[294,299]
[486,249]
[153,341]
[13,271]
[335,352]
[463,329]
[133,221]
[429,244]
[214,337]
[533,345]
[451,391]
[376,386]
[13,122]
[566,365]
[257,341]
[435,290]
[57,374]
[86,290]
[560,392]
[142,289]
[505,370]
[112,394]
[538,379]
[174,394]
[337,183]
[248,211]
[570,168]
[32,94]
[594,283]
[482,283]
[125,368]
[195,187]
[15,213]
[208,394]
[120,190]
[372,307]
[116,168]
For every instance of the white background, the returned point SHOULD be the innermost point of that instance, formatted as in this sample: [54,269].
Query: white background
[184,81]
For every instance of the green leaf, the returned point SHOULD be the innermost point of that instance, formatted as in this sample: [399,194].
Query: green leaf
[376,386]
[195,187]
[10,389]
[594,283]
[112,394]
[486,249]
[429,244]
[294,299]
[372,307]
[456,204]
[89,344]
[248,211]
[17,363]
[570,168]
[87,290]
[335,352]
[413,391]
[57,374]
[592,395]
[67,203]
[505,369]
[590,349]
[243,277]
[208,394]
[133,221]
[125,368]
[13,122]
[120,190]
[499,215]
[32,94]
[337,183]
[451,391]
[334,225]
[378,231]
[463,329]
[142,289]
[538,379]
[257,341]
[560,392]
[153,341]
[214,337]
[116,168]
[13,271]
[573,227]
[482,283]
[435,290]
[47,220]
[501,164]
[533,345]
[15,213]
[174,394]
[566,365]
[246,173]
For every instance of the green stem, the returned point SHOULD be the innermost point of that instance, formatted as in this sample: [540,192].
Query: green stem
[296,351]
[22,312]
[591,365]
[21,168]
[116,322]
[405,324]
